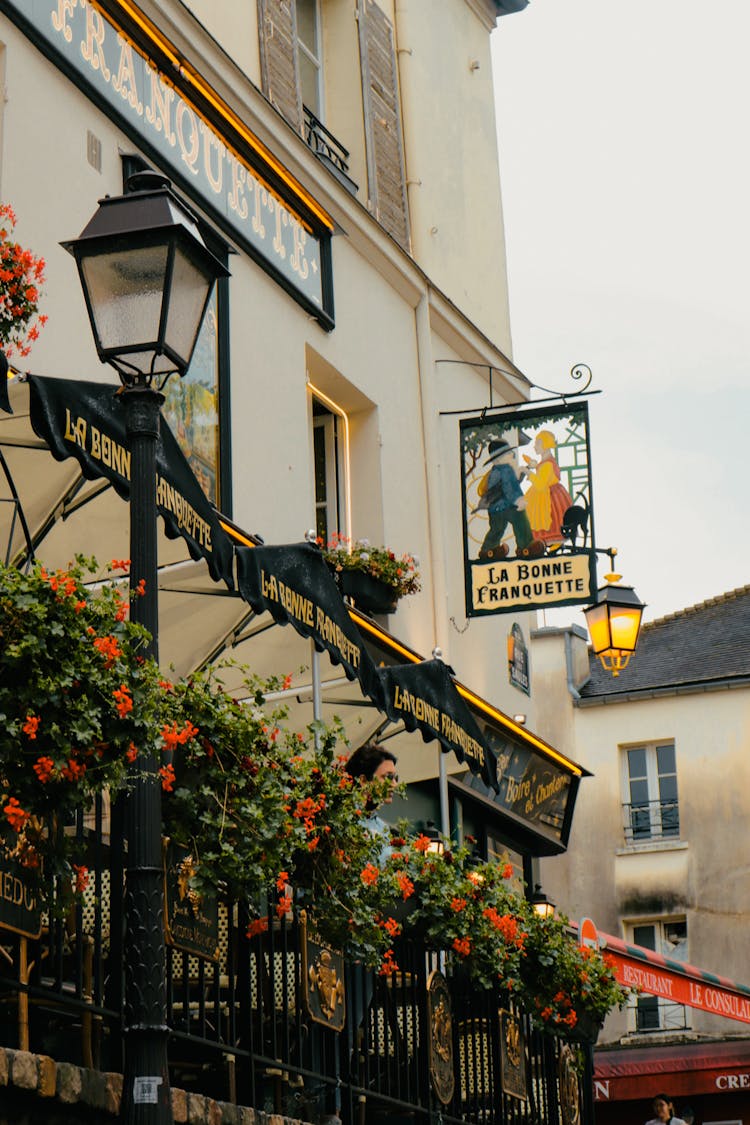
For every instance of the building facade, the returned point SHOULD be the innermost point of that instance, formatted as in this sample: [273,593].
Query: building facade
[340,158]
[655,857]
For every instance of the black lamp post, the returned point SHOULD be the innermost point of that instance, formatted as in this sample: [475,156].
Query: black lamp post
[147,277]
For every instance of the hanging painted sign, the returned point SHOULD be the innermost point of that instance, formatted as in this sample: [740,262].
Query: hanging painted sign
[87,421]
[164,113]
[518,659]
[528,526]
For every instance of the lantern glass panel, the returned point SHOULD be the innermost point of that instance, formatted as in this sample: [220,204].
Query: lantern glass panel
[190,288]
[125,289]
[597,619]
[624,625]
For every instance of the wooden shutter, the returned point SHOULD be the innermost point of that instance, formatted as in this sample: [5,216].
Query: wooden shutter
[277,28]
[386,178]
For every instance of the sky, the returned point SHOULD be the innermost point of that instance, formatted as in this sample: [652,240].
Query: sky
[625,169]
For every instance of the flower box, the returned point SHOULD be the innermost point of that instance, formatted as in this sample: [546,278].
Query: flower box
[375,578]
[367,593]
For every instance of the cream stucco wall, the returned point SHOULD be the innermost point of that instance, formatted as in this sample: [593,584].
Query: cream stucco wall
[453,180]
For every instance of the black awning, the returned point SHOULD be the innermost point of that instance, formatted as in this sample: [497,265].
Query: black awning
[294,584]
[86,421]
[424,697]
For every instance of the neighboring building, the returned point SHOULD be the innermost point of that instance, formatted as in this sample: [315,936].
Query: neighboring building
[657,855]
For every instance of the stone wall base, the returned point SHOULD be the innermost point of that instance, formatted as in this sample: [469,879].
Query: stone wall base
[65,1087]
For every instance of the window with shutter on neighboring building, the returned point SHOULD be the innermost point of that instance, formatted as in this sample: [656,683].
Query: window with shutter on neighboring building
[650,804]
[386,177]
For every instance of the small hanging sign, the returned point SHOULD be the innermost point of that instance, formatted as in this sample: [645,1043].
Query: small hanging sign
[322,979]
[518,659]
[528,524]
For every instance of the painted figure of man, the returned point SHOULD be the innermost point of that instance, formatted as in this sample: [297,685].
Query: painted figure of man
[501,497]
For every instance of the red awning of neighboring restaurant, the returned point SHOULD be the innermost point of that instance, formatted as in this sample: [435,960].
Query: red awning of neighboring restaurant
[681,1068]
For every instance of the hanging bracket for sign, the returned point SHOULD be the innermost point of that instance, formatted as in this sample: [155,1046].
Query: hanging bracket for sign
[578,371]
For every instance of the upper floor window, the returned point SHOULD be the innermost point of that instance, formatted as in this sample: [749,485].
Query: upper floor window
[650,805]
[309,55]
[667,936]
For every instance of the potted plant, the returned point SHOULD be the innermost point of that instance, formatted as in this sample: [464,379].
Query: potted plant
[21,276]
[493,935]
[375,578]
[568,989]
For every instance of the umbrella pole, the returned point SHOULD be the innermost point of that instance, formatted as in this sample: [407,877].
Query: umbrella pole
[316,692]
[445,816]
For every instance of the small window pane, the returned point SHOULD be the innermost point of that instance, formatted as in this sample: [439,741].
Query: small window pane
[645,936]
[306,29]
[308,73]
[637,762]
[640,820]
[647,1014]
[319,440]
[668,788]
[665,759]
[639,792]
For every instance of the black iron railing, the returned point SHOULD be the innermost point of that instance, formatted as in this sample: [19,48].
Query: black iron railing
[651,820]
[240,1029]
[653,1015]
[330,151]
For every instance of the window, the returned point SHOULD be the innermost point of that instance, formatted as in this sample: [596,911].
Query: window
[330,462]
[651,810]
[309,58]
[667,936]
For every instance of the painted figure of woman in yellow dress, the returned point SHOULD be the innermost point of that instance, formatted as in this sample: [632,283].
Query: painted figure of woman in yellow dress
[547,500]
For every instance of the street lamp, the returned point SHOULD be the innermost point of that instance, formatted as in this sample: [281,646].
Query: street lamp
[614,623]
[543,905]
[436,845]
[147,277]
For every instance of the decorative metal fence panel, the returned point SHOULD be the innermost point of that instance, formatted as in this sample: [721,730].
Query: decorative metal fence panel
[282,1025]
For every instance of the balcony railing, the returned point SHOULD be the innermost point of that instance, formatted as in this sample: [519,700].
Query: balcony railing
[240,1025]
[654,1015]
[651,820]
[328,150]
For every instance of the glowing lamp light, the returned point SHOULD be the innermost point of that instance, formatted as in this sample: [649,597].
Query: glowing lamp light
[614,623]
[435,846]
[543,905]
